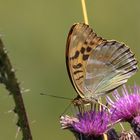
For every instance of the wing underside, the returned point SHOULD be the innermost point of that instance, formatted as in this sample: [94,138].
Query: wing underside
[109,66]
[80,42]
[95,65]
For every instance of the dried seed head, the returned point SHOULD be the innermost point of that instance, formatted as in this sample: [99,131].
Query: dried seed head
[128,136]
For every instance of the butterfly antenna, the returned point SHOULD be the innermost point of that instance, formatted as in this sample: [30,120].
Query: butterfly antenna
[54,96]
[66,109]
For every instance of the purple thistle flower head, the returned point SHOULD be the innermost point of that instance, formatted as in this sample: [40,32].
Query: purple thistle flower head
[125,107]
[90,123]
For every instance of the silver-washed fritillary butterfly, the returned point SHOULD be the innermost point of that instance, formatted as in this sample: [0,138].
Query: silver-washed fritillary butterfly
[95,65]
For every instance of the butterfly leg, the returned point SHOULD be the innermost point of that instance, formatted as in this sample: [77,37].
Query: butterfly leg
[102,105]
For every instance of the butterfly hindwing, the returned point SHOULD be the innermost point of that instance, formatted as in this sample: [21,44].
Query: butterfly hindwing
[109,66]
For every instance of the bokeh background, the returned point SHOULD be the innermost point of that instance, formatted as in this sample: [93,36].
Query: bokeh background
[34,33]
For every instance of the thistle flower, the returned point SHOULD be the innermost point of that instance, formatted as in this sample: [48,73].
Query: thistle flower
[125,107]
[89,125]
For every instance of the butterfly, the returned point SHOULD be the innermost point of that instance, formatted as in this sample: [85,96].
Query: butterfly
[96,66]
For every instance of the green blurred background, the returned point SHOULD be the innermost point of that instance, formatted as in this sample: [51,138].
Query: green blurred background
[34,33]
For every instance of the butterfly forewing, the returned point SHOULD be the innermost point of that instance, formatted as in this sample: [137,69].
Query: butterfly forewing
[97,66]
[80,42]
